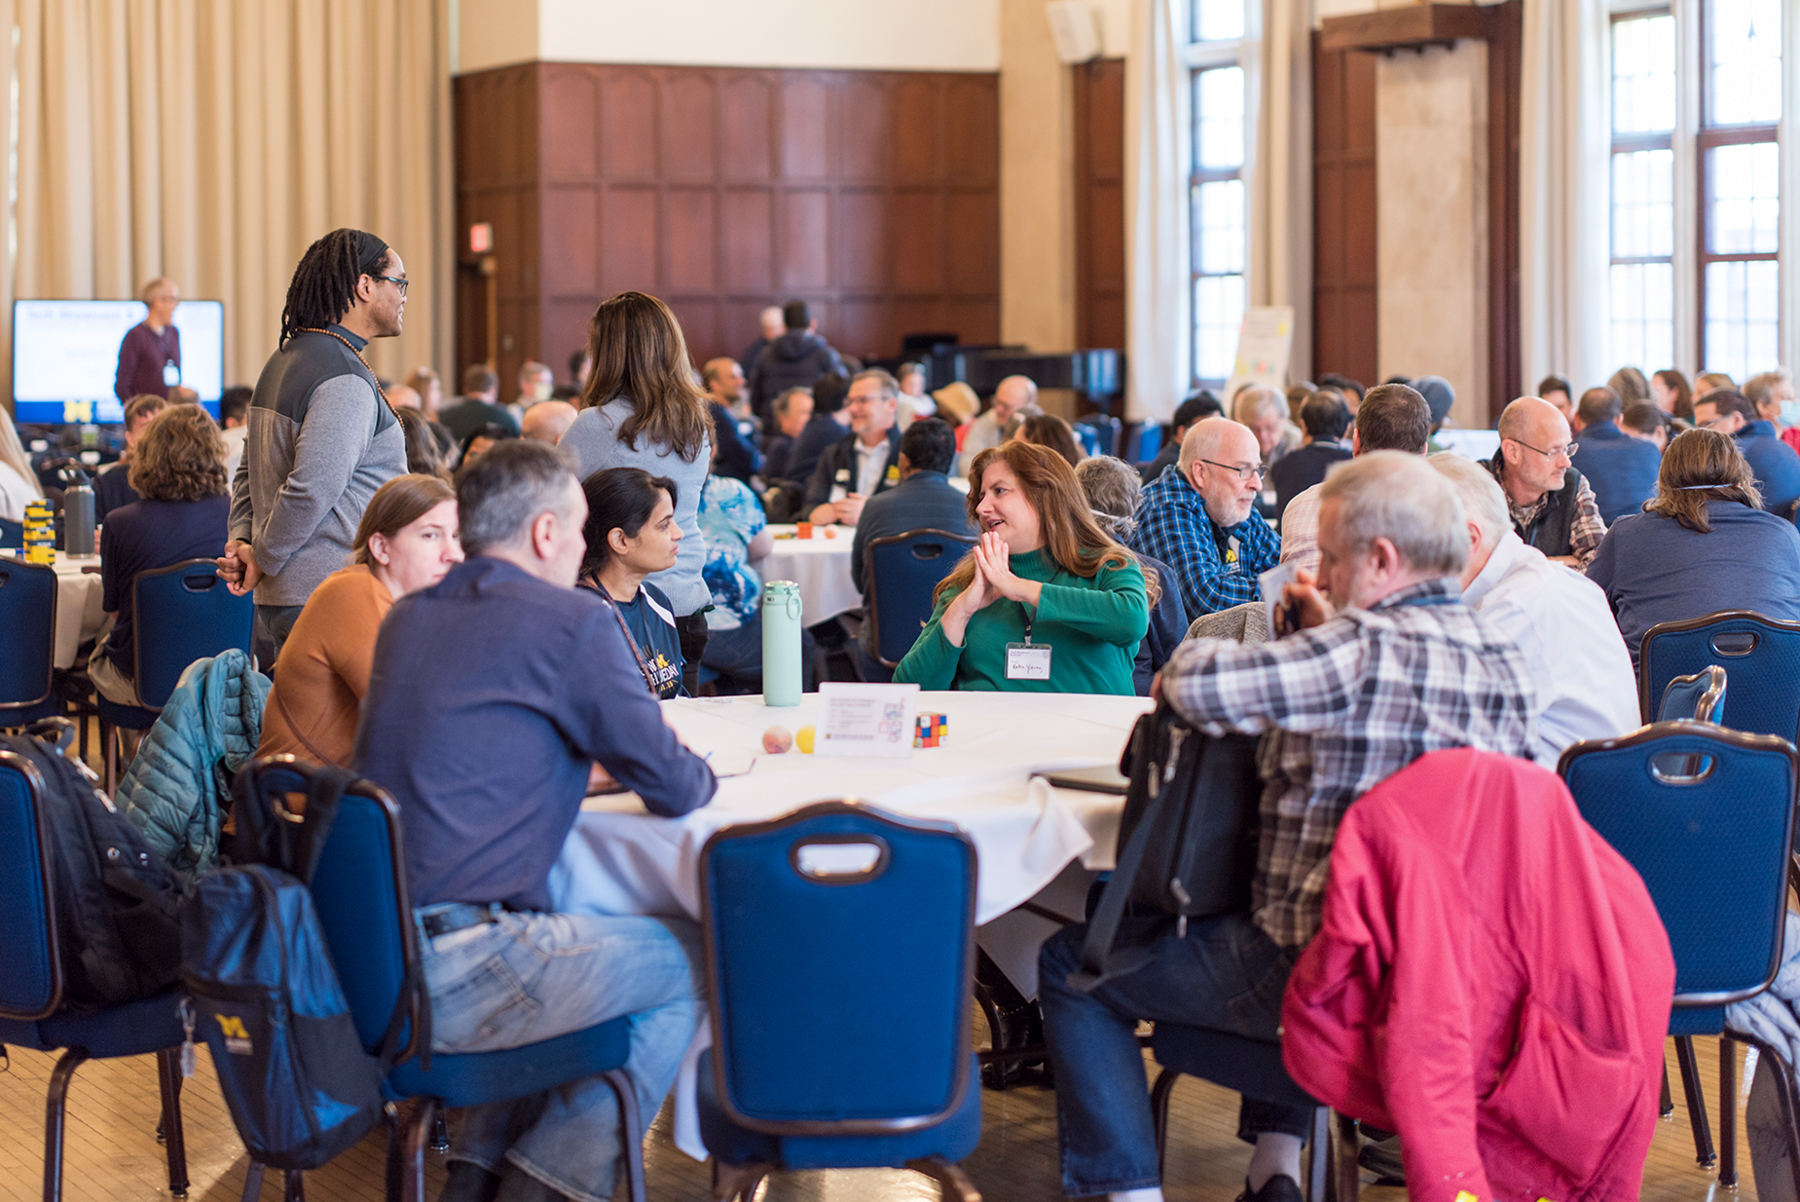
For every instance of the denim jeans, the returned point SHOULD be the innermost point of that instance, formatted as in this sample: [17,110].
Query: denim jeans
[1225,974]
[530,977]
[736,654]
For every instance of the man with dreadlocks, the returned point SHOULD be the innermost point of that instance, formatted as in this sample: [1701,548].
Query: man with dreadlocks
[322,436]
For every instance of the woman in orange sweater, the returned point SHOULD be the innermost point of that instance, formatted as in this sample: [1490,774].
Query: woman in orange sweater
[407,541]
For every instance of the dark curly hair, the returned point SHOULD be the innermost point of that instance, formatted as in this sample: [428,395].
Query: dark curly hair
[180,456]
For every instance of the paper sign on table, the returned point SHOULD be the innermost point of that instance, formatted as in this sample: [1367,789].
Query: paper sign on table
[866,719]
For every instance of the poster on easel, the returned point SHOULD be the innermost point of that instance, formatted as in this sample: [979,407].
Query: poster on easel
[1265,340]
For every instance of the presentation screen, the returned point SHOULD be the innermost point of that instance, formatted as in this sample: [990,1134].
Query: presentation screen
[66,355]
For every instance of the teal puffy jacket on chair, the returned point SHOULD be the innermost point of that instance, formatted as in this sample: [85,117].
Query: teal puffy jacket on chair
[178,788]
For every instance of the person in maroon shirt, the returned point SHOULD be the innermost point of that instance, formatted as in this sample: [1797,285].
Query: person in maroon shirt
[152,347]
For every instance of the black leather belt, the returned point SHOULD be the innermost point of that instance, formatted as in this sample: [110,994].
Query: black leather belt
[457,916]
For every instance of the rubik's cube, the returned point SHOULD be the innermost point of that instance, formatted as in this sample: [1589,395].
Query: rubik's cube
[932,730]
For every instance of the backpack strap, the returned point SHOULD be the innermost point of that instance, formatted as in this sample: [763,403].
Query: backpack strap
[1099,961]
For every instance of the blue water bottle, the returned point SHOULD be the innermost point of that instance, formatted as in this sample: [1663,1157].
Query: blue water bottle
[781,643]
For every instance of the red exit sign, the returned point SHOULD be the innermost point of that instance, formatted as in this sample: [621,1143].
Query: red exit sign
[481,238]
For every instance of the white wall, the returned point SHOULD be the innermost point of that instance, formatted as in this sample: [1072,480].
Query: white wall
[919,35]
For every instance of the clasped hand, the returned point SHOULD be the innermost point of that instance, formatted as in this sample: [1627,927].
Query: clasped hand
[994,579]
[1302,606]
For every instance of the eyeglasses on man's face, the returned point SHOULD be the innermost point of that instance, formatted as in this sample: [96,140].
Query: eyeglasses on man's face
[1566,451]
[1242,473]
[398,281]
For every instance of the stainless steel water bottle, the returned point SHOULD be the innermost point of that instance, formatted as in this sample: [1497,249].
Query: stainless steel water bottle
[78,511]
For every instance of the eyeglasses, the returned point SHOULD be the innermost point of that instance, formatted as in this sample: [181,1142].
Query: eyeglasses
[1242,473]
[1716,422]
[1562,452]
[398,281]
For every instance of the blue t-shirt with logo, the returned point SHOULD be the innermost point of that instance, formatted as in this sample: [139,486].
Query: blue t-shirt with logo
[730,516]
[651,623]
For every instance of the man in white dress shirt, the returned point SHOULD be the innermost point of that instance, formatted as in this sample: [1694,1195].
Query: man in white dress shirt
[1580,669]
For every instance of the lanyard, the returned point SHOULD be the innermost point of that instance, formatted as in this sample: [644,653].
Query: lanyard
[631,641]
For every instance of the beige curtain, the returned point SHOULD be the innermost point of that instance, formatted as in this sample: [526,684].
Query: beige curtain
[1281,173]
[212,140]
[1563,188]
[1156,214]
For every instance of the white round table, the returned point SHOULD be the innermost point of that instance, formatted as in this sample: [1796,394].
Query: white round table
[620,859]
[78,612]
[820,565]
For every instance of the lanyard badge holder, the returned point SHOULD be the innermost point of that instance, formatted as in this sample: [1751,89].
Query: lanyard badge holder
[1026,661]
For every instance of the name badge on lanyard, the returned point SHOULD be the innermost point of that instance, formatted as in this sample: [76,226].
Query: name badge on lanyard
[171,374]
[1027,661]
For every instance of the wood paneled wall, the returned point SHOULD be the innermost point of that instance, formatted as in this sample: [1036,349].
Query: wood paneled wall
[1345,333]
[1100,203]
[873,195]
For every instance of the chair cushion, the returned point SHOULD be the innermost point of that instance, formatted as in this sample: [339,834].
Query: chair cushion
[131,1029]
[125,717]
[1248,1066]
[23,715]
[475,1078]
[953,1139]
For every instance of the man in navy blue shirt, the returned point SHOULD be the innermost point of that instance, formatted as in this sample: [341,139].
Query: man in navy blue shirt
[1621,470]
[496,696]
[1776,466]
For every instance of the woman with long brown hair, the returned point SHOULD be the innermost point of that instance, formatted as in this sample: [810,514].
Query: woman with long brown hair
[1703,544]
[643,408]
[1046,602]
[407,541]
[1671,393]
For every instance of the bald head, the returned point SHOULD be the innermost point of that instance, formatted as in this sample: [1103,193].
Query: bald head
[548,421]
[1011,395]
[1533,419]
[404,396]
[1220,459]
[1535,445]
[771,322]
[1217,438]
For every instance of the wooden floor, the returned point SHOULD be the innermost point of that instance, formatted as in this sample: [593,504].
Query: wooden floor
[113,1155]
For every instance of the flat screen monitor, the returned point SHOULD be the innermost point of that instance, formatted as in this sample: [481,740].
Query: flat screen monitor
[66,356]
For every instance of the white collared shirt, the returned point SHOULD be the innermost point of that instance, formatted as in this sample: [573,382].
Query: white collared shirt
[871,463]
[1580,669]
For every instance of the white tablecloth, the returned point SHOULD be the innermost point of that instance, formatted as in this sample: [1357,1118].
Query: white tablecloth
[621,860]
[820,565]
[78,613]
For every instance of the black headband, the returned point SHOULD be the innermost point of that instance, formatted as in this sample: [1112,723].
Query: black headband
[371,253]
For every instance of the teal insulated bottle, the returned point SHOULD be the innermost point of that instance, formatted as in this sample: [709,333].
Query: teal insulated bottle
[781,643]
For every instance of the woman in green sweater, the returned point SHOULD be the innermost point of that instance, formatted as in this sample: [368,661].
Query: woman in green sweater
[1046,602]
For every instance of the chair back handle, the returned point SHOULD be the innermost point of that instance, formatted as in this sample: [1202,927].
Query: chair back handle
[840,859]
[1735,643]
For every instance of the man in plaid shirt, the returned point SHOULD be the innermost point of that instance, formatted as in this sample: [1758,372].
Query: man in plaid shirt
[1199,518]
[1401,667]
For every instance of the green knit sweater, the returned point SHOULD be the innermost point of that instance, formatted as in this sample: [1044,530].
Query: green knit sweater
[1093,626]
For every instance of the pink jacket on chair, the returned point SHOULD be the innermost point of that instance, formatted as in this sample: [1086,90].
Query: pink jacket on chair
[1491,981]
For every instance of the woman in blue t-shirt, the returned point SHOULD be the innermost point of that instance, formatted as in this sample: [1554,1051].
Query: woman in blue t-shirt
[631,532]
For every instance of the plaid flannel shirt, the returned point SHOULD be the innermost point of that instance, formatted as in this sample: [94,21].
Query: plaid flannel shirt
[1586,527]
[1216,567]
[1342,707]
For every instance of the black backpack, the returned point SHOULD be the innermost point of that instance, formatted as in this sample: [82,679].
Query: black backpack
[266,996]
[116,901]
[1187,839]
